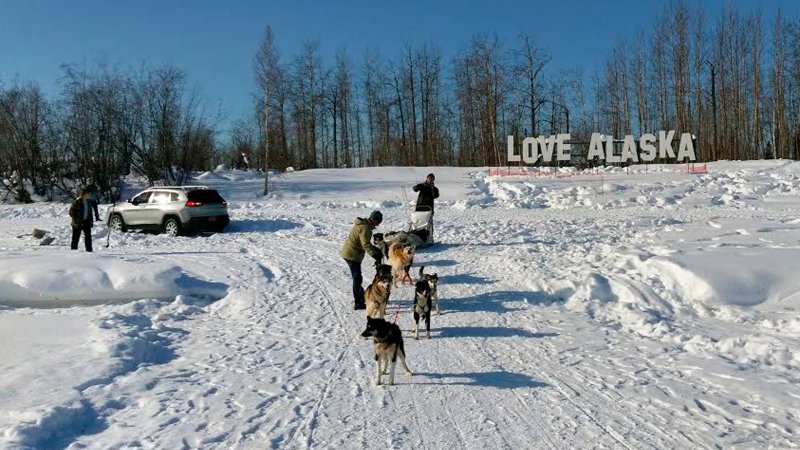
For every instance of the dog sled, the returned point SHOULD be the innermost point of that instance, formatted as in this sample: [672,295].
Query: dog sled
[421,224]
[418,235]
[405,238]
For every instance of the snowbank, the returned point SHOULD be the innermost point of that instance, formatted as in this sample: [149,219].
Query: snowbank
[64,279]
[51,362]
[737,185]
[206,176]
[766,278]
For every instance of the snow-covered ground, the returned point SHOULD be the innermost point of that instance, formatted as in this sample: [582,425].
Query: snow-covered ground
[646,308]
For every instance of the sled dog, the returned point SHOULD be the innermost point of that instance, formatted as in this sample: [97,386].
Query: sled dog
[376,296]
[387,342]
[433,281]
[400,258]
[422,307]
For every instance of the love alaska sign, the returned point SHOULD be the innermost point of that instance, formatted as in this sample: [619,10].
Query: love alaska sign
[648,149]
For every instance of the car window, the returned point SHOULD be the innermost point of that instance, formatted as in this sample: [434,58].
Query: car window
[173,197]
[160,198]
[205,196]
[142,198]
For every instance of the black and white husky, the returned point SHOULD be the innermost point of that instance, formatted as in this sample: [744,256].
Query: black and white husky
[432,279]
[422,307]
[387,342]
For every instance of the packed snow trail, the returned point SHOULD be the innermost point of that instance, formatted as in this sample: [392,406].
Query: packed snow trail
[562,327]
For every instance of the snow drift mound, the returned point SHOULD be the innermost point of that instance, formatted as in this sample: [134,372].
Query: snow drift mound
[210,176]
[764,279]
[749,294]
[69,279]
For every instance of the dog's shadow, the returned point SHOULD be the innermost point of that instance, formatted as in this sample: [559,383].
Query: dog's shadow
[465,279]
[494,301]
[490,332]
[436,263]
[500,379]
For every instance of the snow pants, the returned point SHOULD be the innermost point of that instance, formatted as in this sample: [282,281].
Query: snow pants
[86,229]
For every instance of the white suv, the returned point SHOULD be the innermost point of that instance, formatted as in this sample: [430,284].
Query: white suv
[173,210]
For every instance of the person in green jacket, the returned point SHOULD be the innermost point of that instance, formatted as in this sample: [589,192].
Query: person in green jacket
[358,243]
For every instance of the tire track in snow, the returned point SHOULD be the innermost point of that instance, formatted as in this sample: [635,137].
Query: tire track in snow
[399,395]
[559,381]
[360,357]
[536,424]
[337,369]
[609,430]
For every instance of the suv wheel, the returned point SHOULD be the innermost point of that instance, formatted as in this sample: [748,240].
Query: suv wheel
[116,223]
[172,227]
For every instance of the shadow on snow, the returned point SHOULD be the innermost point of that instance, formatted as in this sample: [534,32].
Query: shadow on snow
[495,301]
[262,225]
[437,263]
[499,379]
[465,278]
[490,332]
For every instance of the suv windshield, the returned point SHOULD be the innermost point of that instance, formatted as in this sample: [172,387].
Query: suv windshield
[205,196]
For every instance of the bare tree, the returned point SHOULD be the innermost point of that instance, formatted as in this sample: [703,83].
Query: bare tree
[267,74]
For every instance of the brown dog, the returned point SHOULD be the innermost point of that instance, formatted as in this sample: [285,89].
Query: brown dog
[376,296]
[400,258]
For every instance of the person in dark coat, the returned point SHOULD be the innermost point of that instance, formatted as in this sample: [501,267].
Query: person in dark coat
[427,192]
[357,244]
[81,213]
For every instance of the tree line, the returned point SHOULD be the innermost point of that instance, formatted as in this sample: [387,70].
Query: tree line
[732,80]
[104,125]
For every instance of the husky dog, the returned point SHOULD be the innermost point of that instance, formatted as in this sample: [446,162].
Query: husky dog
[400,258]
[433,280]
[376,295]
[422,307]
[379,241]
[387,342]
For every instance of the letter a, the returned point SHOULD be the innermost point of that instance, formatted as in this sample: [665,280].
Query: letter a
[686,147]
[596,147]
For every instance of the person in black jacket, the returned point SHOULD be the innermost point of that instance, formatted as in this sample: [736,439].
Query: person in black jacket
[427,192]
[80,214]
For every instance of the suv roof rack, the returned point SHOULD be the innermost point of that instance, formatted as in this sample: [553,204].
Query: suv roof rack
[182,188]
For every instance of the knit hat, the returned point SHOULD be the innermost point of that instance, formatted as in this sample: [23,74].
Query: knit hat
[376,216]
[430,175]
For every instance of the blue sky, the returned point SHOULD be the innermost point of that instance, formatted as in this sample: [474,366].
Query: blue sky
[214,41]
